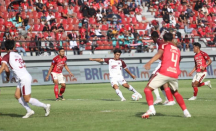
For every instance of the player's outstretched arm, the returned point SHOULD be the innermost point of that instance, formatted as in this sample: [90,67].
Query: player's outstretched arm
[50,69]
[133,76]
[5,67]
[147,66]
[191,73]
[68,70]
[98,60]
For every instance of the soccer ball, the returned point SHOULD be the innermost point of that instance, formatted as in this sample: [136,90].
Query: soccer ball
[135,97]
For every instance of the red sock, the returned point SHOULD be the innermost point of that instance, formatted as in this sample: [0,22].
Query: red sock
[169,94]
[149,96]
[195,91]
[56,91]
[62,90]
[180,100]
[201,84]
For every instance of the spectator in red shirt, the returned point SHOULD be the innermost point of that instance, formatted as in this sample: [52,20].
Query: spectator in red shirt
[201,31]
[187,44]
[13,31]
[25,6]
[193,25]
[122,29]
[50,6]
[65,12]
[138,9]
[82,30]
[155,23]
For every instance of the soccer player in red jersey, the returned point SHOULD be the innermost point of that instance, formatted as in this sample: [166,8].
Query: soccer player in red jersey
[56,72]
[200,67]
[168,73]
[115,73]
[159,42]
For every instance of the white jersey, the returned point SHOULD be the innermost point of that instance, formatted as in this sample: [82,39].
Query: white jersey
[115,67]
[15,61]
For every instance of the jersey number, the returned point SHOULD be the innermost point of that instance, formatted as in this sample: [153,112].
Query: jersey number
[174,59]
[20,62]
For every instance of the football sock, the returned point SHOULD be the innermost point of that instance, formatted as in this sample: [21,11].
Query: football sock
[62,90]
[24,104]
[132,89]
[149,96]
[180,101]
[195,91]
[56,91]
[157,94]
[164,93]
[169,94]
[36,102]
[119,93]
[202,84]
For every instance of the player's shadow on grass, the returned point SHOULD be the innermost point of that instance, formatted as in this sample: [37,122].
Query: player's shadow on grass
[108,100]
[139,102]
[49,99]
[11,115]
[139,114]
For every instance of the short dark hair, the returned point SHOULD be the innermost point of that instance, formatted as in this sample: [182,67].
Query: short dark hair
[117,51]
[168,37]
[154,34]
[9,44]
[61,49]
[197,44]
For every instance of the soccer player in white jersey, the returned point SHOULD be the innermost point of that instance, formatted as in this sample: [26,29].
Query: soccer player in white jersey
[17,64]
[115,73]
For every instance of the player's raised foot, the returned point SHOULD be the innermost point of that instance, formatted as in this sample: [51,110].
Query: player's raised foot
[170,103]
[28,114]
[186,113]
[62,98]
[123,99]
[148,113]
[140,96]
[209,84]
[158,101]
[47,110]
[192,98]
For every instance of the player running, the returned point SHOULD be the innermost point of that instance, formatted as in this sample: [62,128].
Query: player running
[56,67]
[115,73]
[200,67]
[24,89]
[168,73]
[158,41]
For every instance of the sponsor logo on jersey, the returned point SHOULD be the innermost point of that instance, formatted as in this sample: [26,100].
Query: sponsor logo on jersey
[114,66]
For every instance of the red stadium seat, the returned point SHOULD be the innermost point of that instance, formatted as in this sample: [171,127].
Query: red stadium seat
[57,15]
[36,27]
[194,32]
[134,20]
[1,21]
[104,27]
[75,21]
[2,28]
[177,14]
[71,27]
[92,21]
[60,9]
[69,20]
[35,14]
[64,22]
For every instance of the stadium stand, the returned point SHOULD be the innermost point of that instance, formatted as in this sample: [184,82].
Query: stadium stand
[92,25]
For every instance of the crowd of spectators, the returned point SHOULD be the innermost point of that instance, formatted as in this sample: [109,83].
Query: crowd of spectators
[45,25]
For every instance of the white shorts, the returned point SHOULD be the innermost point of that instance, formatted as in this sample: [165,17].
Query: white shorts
[117,80]
[58,76]
[25,86]
[158,67]
[200,76]
[158,80]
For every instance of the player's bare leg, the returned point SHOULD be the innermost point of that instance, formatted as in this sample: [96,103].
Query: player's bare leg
[156,92]
[130,88]
[118,92]
[62,90]
[36,102]
[207,83]
[56,90]
[149,98]
[181,103]
[167,93]
[21,100]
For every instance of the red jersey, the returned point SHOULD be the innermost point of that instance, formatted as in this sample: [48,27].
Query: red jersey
[58,64]
[0,60]
[200,60]
[170,60]
[159,43]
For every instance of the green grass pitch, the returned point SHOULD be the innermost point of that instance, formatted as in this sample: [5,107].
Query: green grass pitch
[96,107]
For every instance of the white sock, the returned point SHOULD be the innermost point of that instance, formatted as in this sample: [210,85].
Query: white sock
[206,83]
[157,94]
[36,102]
[164,93]
[132,89]
[186,111]
[24,104]
[151,107]
[119,93]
